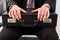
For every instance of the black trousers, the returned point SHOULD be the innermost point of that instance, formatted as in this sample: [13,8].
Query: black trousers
[47,33]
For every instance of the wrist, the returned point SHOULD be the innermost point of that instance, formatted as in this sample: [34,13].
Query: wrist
[46,5]
[11,6]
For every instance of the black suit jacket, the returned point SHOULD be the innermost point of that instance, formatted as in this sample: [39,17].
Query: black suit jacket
[38,3]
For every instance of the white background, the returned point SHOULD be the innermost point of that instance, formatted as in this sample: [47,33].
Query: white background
[58,20]
[58,12]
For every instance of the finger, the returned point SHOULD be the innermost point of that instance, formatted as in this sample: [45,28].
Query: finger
[48,14]
[45,15]
[9,14]
[42,15]
[39,12]
[19,14]
[12,14]
[36,10]
[16,16]
[23,10]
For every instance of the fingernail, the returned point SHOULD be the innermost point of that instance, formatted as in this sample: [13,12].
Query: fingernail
[31,11]
[20,19]
[14,19]
[9,16]
[25,11]
[43,19]
[17,18]
[40,19]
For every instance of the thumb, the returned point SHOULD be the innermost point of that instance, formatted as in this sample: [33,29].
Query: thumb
[23,10]
[34,10]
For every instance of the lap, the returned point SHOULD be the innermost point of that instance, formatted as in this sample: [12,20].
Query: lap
[15,33]
[47,33]
[10,34]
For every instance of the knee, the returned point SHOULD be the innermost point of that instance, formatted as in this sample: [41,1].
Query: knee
[50,35]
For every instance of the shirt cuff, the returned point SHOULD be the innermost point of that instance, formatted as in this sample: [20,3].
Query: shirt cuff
[47,5]
[10,7]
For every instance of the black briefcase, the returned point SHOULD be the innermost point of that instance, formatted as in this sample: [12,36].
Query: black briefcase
[29,20]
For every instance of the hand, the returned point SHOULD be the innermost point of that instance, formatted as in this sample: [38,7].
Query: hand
[15,12]
[43,13]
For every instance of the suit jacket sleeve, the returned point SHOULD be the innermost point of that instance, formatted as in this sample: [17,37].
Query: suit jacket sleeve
[10,2]
[51,3]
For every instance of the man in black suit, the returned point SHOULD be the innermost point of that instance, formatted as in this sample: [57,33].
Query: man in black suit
[43,7]
[20,5]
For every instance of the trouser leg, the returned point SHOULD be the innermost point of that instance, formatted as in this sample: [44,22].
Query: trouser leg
[47,34]
[10,34]
[15,33]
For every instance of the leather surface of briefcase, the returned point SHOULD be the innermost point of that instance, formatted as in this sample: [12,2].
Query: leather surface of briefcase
[29,20]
